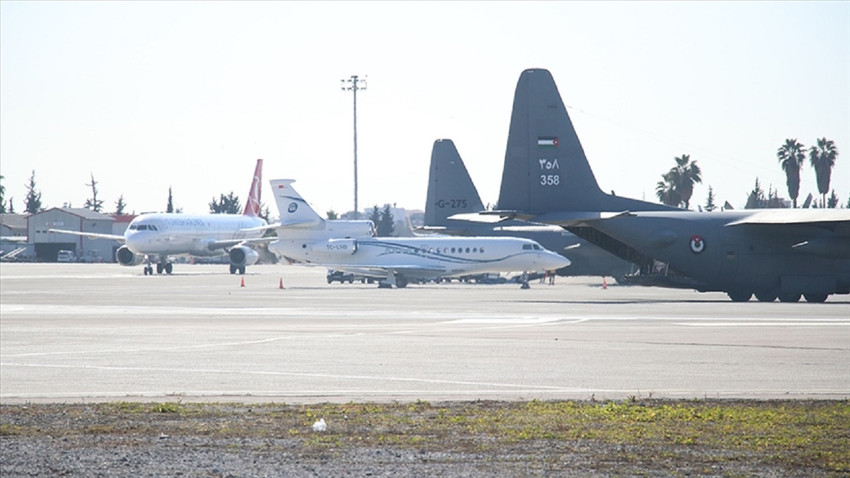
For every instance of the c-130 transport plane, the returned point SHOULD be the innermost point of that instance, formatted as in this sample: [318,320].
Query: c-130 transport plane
[351,246]
[155,237]
[452,192]
[784,253]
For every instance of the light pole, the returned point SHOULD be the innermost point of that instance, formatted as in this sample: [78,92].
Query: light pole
[353,84]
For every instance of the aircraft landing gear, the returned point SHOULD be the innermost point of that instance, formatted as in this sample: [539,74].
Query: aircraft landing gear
[148,270]
[167,268]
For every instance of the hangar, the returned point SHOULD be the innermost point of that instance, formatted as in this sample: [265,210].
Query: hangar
[48,244]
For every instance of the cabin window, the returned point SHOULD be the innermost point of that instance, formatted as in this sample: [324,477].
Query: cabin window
[453,250]
[481,250]
[467,250]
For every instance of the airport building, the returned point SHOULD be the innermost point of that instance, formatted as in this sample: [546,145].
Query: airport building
[86,249]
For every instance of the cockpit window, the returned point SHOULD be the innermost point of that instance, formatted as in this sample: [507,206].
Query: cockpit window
[526,247]
[143,227]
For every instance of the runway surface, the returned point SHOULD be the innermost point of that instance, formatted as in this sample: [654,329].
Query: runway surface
[102,332]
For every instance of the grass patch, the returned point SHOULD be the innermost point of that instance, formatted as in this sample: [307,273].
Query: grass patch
[790,435]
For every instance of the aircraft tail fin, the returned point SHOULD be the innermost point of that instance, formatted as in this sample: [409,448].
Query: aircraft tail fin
[545,165]
[252,205]
[450,189]
[294,210]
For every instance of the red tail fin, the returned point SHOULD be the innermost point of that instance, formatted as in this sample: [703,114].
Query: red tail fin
[252,206]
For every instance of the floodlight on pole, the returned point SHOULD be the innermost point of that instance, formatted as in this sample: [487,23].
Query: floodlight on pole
[353,84]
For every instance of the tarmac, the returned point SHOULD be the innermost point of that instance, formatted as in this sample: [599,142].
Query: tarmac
[280,333]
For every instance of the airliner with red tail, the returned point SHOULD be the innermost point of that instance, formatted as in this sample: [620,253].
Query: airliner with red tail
[155,238]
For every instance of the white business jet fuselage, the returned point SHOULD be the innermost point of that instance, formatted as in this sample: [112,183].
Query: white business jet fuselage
[350,246]
[155,237]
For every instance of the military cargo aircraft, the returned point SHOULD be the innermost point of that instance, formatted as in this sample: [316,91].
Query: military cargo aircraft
[784,253]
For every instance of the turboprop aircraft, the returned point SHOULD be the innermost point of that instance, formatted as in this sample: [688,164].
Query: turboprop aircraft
[351,246]
[156,237]
[451,192]
[785,253]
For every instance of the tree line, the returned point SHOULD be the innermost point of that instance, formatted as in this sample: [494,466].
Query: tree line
[677,185]
[675,188]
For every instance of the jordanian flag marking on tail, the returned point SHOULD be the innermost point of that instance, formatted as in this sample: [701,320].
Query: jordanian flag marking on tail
[547,142]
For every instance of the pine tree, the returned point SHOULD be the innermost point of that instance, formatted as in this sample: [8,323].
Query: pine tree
[119,205]
[226,205]
[93,202]
[2,193]
[33,200]
[170,206]
[709,201]
[387,224]
[832,200]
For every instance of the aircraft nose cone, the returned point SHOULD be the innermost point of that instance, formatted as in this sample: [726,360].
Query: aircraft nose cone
[134,242]
[557,261]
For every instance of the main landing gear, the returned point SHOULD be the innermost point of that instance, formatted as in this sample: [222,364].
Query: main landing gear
[168,267]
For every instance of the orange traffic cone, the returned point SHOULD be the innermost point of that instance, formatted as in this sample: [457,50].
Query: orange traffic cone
[281,283]
[243,282]
[604,283]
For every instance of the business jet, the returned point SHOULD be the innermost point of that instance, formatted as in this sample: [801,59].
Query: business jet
[779,253]
[157,237]
[351,246]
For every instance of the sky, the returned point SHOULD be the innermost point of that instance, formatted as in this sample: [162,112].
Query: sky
[147,96]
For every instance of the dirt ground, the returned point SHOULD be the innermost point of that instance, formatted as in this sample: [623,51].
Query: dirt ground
[420,439]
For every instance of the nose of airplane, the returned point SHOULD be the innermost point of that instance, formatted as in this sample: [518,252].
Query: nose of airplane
[134,242]
[556,261]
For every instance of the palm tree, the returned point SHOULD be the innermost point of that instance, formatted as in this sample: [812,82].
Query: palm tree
[666,191]
[677,186]
[791,157]
[687,173]
[822,158]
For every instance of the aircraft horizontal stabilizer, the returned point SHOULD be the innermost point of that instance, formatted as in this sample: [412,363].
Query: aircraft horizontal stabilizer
[490,217]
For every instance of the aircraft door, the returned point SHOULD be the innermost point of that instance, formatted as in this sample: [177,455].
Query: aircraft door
[729,265]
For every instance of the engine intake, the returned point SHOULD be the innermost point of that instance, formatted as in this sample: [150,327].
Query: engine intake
[242,256]
[126,257]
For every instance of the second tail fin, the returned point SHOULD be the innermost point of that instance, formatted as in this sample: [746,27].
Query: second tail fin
[450,189]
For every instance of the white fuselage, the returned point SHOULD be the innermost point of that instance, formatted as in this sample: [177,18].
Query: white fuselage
[421,257]
[173,234]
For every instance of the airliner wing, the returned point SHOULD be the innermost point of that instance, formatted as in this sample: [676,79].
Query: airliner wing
[90,235]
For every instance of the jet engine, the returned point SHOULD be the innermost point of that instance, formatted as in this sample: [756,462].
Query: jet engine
[337,247]
[126,257]
[241,256]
